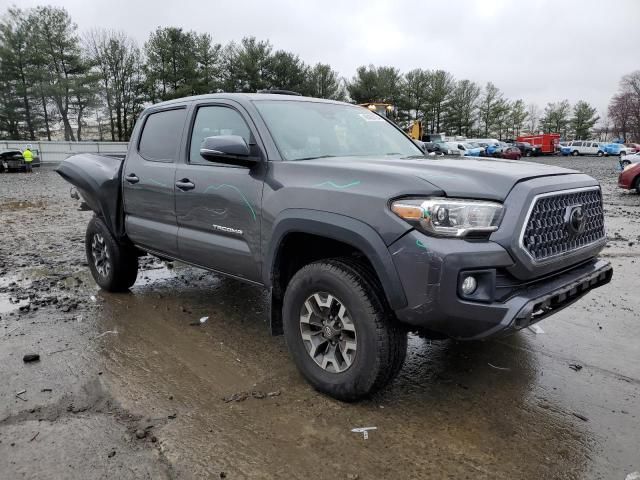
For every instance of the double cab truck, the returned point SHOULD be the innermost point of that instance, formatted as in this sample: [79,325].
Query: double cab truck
[358,236]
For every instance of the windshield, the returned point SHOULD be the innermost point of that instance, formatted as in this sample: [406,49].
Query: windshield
[307,130]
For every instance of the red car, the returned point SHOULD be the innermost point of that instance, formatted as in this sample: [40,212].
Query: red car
[632,147]
[630,177]
[512,153]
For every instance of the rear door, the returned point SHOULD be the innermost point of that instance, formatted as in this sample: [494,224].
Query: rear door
[149,178]
[219,213]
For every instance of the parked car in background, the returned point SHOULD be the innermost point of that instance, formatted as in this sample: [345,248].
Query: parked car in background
[629,159]
[583,147]
[483,143]
[429,147]
[448,148]
[629,179]
[470,149]
[11,160]
[526,149]
[497,149]
[632,147]
[615,149]
[511,153]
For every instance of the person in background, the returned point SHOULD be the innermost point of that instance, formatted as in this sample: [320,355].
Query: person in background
[28,158]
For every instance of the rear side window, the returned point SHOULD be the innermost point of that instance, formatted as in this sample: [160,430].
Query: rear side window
[161,134]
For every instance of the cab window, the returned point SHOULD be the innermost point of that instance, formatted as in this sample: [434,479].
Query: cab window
[212,121]
[160,138]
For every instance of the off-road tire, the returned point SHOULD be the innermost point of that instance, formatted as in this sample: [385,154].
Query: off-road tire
[123,261]
[381,340]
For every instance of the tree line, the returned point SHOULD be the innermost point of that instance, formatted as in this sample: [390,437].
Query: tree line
[52,78]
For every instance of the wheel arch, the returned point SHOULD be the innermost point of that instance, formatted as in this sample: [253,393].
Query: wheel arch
[333,230]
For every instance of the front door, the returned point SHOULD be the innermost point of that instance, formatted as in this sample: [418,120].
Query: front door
[148,181]
[218,205]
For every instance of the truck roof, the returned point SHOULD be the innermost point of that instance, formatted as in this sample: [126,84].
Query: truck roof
[244,97]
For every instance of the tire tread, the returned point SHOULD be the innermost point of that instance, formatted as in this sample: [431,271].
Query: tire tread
[391,337]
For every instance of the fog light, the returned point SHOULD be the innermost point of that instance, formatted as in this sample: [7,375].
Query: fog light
[469,285]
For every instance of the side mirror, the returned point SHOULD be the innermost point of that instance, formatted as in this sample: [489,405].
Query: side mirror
[221,147]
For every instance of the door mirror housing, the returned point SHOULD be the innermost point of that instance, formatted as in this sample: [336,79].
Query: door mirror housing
[226,149]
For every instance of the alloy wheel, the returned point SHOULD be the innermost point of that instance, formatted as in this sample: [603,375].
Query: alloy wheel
[328,332]
[100,253]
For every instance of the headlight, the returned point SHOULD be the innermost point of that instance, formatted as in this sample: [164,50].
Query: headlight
[449,217]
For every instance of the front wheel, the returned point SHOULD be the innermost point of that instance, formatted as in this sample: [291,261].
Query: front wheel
[113,266]
[600,154]
[340,335]
[575,153]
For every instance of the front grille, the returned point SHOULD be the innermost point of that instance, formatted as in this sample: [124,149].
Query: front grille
[548,234]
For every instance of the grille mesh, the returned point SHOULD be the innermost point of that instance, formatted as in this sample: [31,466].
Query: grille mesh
[547,235]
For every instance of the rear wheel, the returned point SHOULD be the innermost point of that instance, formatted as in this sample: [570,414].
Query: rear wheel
[342,338]
[638,184]
[113,266]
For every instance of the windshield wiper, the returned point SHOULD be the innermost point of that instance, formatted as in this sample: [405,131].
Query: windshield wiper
[314,158]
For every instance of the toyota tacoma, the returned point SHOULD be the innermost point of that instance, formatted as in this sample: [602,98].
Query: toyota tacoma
[357,234]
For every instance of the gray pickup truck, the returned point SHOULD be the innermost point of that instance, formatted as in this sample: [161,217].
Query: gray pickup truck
[357,234]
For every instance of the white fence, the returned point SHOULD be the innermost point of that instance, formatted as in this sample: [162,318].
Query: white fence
[55,152]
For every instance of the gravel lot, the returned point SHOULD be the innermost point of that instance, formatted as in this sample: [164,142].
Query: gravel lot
[128,387]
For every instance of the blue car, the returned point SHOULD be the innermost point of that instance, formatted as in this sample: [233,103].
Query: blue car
[615,149]
[472,149]
[565,150]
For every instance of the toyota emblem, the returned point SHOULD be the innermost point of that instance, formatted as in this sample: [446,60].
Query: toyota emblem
[575,220]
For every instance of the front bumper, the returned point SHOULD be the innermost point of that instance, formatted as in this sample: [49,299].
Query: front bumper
[430,270]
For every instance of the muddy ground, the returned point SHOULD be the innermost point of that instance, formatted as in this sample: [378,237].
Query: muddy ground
[133,386]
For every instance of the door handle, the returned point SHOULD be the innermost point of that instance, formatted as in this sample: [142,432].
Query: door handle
[185,184]
[132,178]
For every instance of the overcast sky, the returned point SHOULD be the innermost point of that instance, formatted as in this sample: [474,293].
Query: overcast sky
[539,51]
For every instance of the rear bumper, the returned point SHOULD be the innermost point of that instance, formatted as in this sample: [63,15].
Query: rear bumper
[431,279]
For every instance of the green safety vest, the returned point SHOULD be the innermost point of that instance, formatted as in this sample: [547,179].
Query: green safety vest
[27,155]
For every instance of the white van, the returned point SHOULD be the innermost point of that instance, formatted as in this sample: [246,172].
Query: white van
[585,147]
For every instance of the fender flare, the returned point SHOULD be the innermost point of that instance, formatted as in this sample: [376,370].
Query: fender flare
[100,201]
[344,229]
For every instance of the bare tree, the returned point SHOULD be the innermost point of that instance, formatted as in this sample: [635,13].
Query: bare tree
[117,62]
[533,115]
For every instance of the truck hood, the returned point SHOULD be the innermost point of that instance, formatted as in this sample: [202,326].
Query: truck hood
[471,177]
